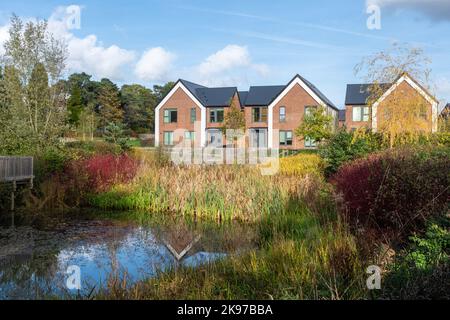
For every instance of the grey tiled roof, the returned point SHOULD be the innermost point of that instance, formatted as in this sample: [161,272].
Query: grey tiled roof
[263,95]
[216,97]
[318,93]
[243,97]
[357,94]
[256,96]
[211,97]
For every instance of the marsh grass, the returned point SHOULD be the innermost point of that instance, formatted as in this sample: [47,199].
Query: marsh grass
[299,257]
[222,193]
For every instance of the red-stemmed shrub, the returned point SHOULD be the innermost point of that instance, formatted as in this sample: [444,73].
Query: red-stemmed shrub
[103,171]
[396,191]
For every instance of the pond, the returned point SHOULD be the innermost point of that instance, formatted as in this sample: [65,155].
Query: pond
[75,258]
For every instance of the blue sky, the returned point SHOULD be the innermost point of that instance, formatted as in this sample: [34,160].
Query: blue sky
[240,43]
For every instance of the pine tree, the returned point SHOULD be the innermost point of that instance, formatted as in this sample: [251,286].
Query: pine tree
[75,106]
[110,106]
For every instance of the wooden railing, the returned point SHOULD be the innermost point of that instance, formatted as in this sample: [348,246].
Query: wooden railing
[16,169]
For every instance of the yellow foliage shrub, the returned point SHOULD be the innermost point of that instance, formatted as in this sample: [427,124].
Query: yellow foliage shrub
[302,164]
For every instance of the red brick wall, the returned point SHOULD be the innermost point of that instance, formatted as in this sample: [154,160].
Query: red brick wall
[350,124]
[295,102]
[180,101]
[405,89]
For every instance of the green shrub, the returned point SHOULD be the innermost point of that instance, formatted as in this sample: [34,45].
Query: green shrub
[115,133]
[436,139]
[347,146]
[50,161]
[90,148]
[422,271]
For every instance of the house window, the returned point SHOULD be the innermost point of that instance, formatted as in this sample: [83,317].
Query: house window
[361,114]
[308,110]
[189,135]
[170,116]
[215,138]
[216,115]
[282,114]
[259,114]
[168,138]
[310,143]
[285,138]
[423,113]
[193,115]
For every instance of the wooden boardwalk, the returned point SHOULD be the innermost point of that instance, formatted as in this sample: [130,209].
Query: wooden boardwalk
[16,170]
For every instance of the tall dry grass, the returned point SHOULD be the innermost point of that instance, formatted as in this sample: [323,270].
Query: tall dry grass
[226,192]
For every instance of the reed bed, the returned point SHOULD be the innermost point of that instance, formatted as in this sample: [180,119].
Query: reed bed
[228,192]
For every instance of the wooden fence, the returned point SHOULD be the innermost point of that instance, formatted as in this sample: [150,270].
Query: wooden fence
[16,169]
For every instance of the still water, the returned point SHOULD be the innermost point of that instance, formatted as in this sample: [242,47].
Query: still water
[77,258]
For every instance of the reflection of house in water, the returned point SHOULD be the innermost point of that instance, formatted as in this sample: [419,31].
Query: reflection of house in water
[191,246]
[187,246]
[106,250]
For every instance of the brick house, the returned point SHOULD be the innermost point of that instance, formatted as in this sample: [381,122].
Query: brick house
[359,114]
[194,114]
[445,113]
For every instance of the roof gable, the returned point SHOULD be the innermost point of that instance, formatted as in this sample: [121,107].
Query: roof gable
[256,96]
[318,96]
[405,77]
[358,94]
[318,93]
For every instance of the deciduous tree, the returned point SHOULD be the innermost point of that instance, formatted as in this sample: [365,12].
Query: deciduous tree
[317,125]
[404,119]
[35,113]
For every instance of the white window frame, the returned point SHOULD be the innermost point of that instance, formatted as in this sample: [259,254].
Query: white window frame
[283,114]
[167,114]
[215,112]
[171,141]
[286,133]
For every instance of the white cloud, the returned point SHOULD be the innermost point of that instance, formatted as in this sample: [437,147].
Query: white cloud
[88,54]
[229,66]
[435,9]
[231,56]
[155,65]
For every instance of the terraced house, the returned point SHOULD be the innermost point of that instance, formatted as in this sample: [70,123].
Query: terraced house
[359,114]
[192,114]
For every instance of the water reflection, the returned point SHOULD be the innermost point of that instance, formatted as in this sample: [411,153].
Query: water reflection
[33,263]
